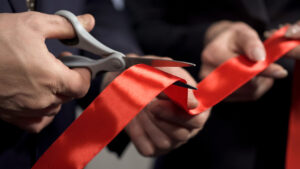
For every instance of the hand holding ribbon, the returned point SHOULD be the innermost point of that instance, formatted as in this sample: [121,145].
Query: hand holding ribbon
[162,125]
[237,38]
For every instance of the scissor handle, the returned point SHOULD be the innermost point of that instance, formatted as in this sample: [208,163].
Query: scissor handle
[111,63]
[84,39]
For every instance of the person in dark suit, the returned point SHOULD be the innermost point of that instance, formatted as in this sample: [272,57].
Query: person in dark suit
[248,130]
[37,91]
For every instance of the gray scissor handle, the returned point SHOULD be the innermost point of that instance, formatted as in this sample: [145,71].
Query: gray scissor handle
[113,60]
[111,63]
[85,40]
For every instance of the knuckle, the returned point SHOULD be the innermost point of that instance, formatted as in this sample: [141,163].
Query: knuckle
[33,20]
[54,86]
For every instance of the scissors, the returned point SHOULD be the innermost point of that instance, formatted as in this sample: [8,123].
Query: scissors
[111,60]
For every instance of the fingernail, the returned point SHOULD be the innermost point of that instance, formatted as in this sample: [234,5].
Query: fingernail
[85,21]
[258,54]
[280,73]
[293,32]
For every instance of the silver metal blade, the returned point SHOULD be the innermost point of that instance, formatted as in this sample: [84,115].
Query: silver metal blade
[156,62]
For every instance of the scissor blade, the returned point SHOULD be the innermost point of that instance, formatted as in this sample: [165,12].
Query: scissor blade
[156,62]
[181,84]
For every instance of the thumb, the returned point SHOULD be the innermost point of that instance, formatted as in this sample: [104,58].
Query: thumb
[192,100]
[60,28]
[75,82]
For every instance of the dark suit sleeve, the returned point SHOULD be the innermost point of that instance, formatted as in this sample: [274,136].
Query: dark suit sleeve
[162,30]
[112,27]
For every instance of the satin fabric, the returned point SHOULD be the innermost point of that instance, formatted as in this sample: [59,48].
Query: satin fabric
[293,143]
[130,92]
[106,116]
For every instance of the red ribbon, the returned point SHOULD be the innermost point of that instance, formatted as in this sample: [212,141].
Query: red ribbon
[293,143]
[130,92]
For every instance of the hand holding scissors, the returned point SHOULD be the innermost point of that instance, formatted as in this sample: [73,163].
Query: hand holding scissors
[112,60]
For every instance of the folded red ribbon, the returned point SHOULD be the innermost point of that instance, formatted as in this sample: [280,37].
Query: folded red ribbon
[130,92]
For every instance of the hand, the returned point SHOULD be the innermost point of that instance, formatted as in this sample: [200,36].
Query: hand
[294,33]
[232,39]
[34,83]
[162,125]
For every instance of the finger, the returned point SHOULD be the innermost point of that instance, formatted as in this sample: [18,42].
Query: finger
[51,110]
[170,112]
[192,101]
[81,71]
[249,43]
[139,138]
[269,33]
[84,81]
[176,132]
[70,83]
[55,26]
[293,31]
[194,132]
[158,138]
[262,89]
[133,55]
[294,54]
[275,71]
[65,54]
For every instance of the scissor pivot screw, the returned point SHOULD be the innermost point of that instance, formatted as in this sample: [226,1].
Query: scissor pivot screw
[117,64]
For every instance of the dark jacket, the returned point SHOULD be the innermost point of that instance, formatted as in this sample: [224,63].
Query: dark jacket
[19,149]
[249,135]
